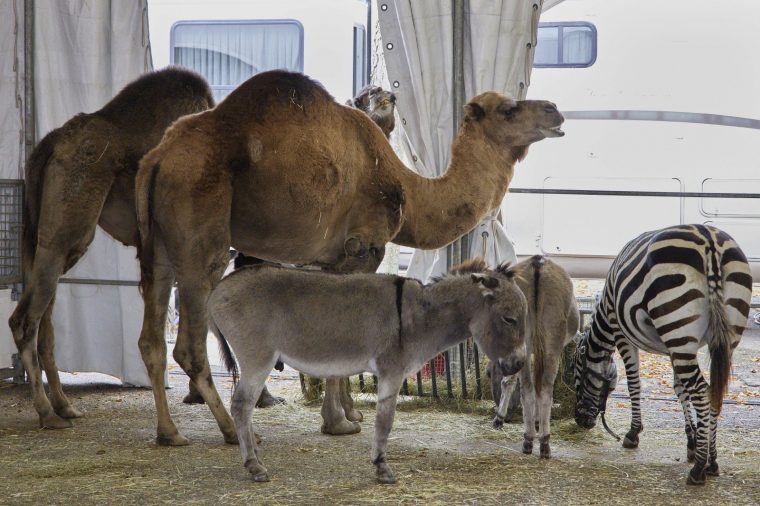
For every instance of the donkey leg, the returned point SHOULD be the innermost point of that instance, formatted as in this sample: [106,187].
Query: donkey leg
[25,324]
[46,348]
[155,293]
[387,393]
[630,356]
[507,387]
[352,414]
[334,419]
[683,397]
[248,389]
[528,398]
[545,399]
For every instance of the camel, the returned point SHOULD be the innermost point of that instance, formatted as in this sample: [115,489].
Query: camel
[82,175]
[380,106]
[280,171]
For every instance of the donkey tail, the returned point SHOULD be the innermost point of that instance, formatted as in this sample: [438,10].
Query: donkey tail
[224,350]
[720,346]
[34,178]
[539,332]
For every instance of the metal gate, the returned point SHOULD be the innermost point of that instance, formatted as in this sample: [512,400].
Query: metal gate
[11,210]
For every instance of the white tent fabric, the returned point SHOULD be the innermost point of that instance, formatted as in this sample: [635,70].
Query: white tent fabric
[498,55]
[85,52]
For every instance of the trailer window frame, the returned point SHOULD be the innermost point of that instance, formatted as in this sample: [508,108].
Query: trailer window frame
[560,26]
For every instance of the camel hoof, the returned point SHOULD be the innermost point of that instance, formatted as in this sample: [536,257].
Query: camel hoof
[53,421]
[176,439]
[68,412]
[269,400]
[498,422]
[343,428]
[354,415]
[713,469]
[696,475]
[193,398]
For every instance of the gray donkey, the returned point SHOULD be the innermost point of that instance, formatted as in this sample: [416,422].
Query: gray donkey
[333,326]
[552,322]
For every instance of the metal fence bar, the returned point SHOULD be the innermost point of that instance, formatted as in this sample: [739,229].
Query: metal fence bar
[462,369]
[405,387]
[419,384]
[634,193]
[478,383]
[447,369]
[433,378]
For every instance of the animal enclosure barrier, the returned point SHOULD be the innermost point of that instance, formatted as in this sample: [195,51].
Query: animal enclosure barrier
[11,206]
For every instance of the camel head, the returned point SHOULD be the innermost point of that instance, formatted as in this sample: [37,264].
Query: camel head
[378,104]
[511,122]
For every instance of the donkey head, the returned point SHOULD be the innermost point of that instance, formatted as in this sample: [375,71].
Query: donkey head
[595,377]
[500,328]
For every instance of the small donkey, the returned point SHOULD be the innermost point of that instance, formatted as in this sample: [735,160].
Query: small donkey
[552,322]
[329,325]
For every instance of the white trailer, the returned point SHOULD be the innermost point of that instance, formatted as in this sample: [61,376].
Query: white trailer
[659,96]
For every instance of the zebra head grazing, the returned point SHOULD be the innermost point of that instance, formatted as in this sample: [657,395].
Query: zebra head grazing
[595,377]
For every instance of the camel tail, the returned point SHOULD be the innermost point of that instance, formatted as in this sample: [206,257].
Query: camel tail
[34,178]
[146,185]
[539,332]
[720,346]
[225,351]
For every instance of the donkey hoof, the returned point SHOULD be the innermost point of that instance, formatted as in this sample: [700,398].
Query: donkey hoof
[546,451]
[53,421]
[193,398]
[696,475]
[232,439]
[354,415]
[342,428]
[258,472]
[175,439]
[713,469]
[257,437]
[527,448]
[498,422]
[68,412]
[385,476]
[268,400]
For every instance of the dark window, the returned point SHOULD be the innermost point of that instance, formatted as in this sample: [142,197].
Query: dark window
[360,62]
[227,53]
[571,44]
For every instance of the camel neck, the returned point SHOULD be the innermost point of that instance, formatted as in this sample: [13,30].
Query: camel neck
[440,210]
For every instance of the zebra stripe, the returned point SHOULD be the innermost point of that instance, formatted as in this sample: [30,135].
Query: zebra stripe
[670,291]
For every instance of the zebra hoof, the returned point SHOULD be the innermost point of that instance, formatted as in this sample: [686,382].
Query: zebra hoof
[697,475]
[631,440]
[713,469]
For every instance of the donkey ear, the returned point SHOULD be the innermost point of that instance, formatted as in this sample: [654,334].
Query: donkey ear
[361,100]
[473,112]
[485,280]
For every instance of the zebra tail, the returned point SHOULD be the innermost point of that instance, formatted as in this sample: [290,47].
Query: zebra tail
[720,349]
[539,332]
[224,349]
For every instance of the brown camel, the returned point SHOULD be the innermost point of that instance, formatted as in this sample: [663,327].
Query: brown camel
[282,172]
[79,176]
[380,106]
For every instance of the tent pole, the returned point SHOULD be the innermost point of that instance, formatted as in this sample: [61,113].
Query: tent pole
[29,117]
[457,251]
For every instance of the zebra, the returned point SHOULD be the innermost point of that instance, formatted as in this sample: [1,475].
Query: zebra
[669,291]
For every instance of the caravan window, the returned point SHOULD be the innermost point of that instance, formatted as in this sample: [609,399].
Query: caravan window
[360,51]
[571,44]
[227,53]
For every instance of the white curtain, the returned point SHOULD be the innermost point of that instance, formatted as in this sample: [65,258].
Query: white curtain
[418,46]
[85,52]
[228,54]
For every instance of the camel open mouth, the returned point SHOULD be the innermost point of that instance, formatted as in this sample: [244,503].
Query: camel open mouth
[553,131]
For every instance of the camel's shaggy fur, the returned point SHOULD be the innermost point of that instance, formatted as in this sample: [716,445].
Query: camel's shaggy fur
[79,176]
[282,172]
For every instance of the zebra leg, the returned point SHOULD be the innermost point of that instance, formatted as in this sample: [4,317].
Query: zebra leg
[630,355]
[691,442]
[687,370]
[528,397]
[712,468]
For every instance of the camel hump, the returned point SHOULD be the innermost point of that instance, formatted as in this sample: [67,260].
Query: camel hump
[275,88]
[163,96]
